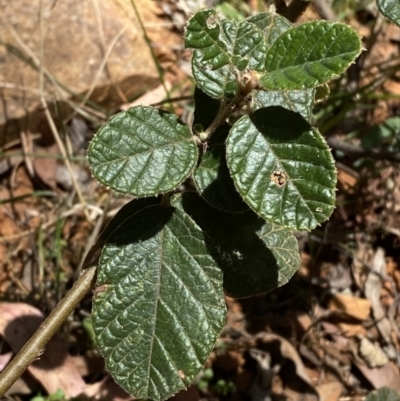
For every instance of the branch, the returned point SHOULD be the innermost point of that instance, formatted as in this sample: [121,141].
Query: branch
[36,345]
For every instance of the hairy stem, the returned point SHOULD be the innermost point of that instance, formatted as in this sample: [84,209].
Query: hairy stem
[36,344]
[224,112]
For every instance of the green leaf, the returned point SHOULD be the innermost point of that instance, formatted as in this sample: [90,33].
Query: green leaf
[383,394]
[390,9]
[300,101]
[126,212]
[219,83]
[255,256]
[271,24]
[143,151]
[161,305]
[310,55]
[212,177]
[282,167]
[222,49]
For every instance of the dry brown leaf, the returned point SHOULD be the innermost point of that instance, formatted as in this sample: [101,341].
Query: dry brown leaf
[358,308]
[372,290]
[106,390]
[354,307]
[287,351]
[329,391]
[372,354]
[386,376]
[55,369]
[46,167]
[4,359]
[153,96]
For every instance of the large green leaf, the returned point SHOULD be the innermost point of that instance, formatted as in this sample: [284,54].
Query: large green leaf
[159,306]
[271,24]
[390,9]
[310,55]
[143,151]
[222,49]
[255,256]
[300,101]
[282,167]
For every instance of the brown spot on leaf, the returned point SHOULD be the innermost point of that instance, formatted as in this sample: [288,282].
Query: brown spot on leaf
[99,289]
[279,178]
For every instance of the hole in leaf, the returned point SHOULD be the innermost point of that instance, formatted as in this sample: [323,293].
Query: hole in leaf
[211,22]
[279,178]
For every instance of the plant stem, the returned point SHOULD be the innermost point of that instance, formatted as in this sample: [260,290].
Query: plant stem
[224,112]
[36,344]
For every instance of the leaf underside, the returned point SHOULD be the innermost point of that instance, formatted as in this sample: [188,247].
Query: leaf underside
[282,167]
[162,308]
[143,152]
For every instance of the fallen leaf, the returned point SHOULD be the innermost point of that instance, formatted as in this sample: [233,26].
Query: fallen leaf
[4,359]
[106,390]
[46,167]
[329,391]
[153,96]
[358,308]
[299,380]
[372,354]
[372,290]
[55,368]
[353,307]
[386,376]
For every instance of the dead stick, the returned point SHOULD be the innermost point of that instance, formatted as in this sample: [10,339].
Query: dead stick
[37,343]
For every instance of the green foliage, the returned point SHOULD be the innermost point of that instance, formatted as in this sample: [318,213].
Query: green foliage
[309,55]
[59,395]
[390,9]
[143,142]
[383,394]
[162,307]
[215,203]
[385,135]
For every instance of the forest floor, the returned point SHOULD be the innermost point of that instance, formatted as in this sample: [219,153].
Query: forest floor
[332,333]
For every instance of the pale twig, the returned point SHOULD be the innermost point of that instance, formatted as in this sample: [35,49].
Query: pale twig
[50,120]
[102,66]
[100,29]
[72,211]
[149,45]
[9,85]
